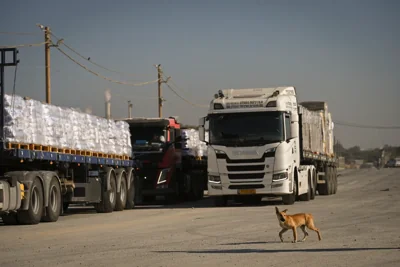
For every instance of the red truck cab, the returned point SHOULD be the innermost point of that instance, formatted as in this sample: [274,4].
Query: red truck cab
[156,145]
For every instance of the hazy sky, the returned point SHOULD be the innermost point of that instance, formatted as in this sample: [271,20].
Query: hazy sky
[344,52]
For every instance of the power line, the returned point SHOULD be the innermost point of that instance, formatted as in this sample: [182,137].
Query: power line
[184,99]
[61,41]
[101,76]
[354,125]
[23,45]
[19,33]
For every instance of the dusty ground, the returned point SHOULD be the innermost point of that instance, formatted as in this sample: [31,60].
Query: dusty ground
[359,227]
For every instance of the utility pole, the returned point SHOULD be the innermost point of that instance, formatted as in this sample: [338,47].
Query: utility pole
[160,82]
[8,58]
[130,105]
[47,45]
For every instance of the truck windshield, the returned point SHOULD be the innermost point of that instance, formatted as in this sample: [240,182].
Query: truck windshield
[147,138]
[250,128]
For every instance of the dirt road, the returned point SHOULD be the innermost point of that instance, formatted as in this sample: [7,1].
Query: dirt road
[359,227]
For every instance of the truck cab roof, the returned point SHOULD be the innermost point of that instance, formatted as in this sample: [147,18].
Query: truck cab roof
[254,99]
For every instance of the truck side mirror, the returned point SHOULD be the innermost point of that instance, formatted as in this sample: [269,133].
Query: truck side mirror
[202,134]
[202,121]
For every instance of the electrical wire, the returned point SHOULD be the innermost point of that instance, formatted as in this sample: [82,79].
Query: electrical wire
[354,125]
[23,45]
[184,99]
[61,41]
[101,76]
[20,33]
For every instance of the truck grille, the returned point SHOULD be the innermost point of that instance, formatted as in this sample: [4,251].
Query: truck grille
[245,176]
[245,168]
[259,160]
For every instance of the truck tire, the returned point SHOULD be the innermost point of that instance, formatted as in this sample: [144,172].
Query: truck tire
[220,201]
[332,181]
[10,219]
[121,196]
[336,180]
[314,185]
[290,199]
[307,196]
[36,202]
[324,189]
[108,200]
[65,207]
[196,190]
[131,195]
[53,209]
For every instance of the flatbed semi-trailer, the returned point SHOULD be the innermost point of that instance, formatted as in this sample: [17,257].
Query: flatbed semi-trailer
[73,158]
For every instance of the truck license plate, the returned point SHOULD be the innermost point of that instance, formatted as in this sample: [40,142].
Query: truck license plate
[247,192]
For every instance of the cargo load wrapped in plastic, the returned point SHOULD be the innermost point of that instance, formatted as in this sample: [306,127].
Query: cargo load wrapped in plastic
[193,146]
[32,122]
[317,128]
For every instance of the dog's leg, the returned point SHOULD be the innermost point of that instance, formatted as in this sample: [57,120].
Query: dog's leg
[281,233]
[303,227]
[311,226]
[294,235]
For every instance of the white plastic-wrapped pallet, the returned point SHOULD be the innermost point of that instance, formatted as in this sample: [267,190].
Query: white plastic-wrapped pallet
[15,119]
[31,122]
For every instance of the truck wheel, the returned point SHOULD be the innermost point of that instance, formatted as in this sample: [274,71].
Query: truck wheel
[197,190]
[290,199]
[324,189]
[307,196]
[314,185]
[65,207]
[10,219]
[108,199]
[54,207]
[130,198]
[220,201]
[335,186]
[35,208]
[121,196]
[332,181]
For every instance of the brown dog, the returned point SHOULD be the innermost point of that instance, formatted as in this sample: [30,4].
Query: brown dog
[293,221]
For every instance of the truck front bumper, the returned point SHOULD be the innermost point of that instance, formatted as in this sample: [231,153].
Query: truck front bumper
[278,188]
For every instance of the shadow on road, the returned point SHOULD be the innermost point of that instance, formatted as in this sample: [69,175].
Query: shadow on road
[251,243]
[244,251]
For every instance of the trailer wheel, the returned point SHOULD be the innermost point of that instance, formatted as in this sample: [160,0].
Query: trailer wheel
[130,198]
[314,184]
[220,201]
[121,196]
[35,208]
[196,191]
[324,189]
[335,186]
[108,199]
[54,207]
[307,196]
[331,181]
[10,219]
[290,199]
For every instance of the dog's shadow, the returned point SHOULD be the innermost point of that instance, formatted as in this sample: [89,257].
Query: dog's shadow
[251,243]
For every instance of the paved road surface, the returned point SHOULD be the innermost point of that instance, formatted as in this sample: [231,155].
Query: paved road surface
[359,227]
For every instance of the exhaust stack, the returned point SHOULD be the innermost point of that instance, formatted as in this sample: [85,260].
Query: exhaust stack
[130,105]
[107,98]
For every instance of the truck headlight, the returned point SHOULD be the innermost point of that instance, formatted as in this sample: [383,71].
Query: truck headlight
[270,152]
[162,177]
[280,176]
[217,151]
[214,179]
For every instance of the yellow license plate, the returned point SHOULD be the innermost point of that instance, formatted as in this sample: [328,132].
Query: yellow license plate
[247,192]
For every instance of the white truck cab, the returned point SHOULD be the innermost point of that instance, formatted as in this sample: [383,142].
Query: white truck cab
[253,145]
